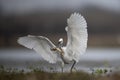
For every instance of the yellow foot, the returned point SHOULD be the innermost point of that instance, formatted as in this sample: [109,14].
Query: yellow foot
[73,70]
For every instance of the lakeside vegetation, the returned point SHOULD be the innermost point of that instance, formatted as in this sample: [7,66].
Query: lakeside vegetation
[37,74]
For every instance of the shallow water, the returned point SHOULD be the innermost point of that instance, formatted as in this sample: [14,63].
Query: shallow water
[23,58]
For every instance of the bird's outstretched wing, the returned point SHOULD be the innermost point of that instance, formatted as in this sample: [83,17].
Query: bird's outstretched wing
[77,36]
[41,45]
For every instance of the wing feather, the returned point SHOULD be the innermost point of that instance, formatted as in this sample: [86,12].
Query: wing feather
[77,36]
[41,45]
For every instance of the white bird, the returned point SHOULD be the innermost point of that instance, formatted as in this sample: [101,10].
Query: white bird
[77,37]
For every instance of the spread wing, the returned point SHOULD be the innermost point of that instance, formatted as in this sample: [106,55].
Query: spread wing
[41,45]
[77,36]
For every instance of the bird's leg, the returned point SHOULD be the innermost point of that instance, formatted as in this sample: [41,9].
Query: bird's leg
[62,66]
[72,66]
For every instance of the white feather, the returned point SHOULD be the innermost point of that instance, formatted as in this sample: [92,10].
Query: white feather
[77,36]
[41,45]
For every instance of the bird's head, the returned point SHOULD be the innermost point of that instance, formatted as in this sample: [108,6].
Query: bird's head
[60,42]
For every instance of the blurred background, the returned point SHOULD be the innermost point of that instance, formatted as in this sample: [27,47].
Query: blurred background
[48,18]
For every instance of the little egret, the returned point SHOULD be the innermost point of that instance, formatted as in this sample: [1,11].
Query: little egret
[77,37]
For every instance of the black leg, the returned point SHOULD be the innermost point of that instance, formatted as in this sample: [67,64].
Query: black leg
[73,66]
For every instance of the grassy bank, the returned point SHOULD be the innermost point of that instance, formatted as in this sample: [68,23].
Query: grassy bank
[39,75]
[36,74]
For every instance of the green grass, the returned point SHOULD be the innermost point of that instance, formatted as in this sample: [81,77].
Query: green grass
[39,75]
[36,74]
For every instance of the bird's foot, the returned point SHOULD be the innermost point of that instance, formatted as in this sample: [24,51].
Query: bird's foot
[73,70]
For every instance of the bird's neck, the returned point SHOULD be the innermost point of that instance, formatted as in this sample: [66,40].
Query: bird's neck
[62,57]
[62,54]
